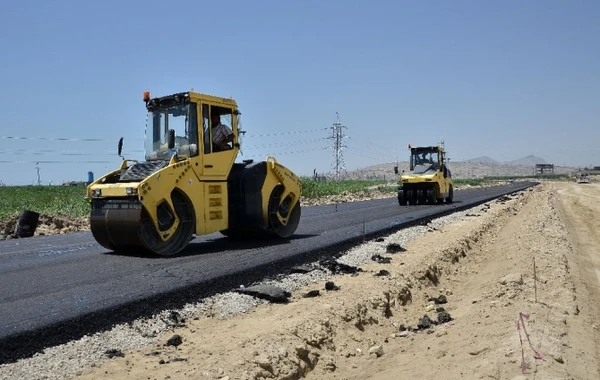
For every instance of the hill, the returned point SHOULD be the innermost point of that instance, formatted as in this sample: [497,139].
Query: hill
[529,160]
[483,160]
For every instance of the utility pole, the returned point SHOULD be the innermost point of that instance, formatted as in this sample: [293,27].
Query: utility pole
[337,136]
[37,168]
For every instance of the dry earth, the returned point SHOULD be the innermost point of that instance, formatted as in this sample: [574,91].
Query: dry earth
[47,225]
[483,265]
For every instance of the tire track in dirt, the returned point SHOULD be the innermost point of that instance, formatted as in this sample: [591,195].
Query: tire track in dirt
[579,207]
[493,283]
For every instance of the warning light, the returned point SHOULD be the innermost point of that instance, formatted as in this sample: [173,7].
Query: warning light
[146,96]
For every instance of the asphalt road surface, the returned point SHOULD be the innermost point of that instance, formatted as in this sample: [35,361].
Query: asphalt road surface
[59,287]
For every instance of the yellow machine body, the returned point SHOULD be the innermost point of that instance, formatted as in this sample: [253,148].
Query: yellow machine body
[188,185]
[429,180]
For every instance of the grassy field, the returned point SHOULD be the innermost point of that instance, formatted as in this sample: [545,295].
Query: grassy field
[470,182]
[315,189]
[52,200]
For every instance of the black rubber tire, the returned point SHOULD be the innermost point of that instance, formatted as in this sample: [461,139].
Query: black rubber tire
[402,197]
[421,199]
[431,196]
[411,196]
[450,197]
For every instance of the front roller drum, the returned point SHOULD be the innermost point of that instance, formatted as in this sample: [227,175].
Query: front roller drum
[123,225]
[116,228]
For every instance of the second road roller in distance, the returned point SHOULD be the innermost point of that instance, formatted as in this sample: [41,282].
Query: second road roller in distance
[190,183]
[429,180]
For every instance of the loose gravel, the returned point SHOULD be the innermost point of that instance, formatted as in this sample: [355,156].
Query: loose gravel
[72,358]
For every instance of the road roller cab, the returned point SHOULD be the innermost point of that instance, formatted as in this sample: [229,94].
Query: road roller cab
[189,182]
[429,180]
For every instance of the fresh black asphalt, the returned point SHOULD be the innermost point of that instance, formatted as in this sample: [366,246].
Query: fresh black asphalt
[56,288]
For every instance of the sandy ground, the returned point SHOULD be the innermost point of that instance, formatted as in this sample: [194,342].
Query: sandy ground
[520,283]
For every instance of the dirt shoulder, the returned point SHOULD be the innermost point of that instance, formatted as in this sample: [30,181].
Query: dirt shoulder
[579,207]
[368,329]
[47,225]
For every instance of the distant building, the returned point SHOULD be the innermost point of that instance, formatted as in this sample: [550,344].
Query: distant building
[544,169]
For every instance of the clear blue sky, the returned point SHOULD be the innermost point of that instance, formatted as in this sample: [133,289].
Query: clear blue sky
[504,79]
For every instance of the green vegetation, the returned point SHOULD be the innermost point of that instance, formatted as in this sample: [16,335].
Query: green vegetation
[470,181]
[51,200]
[313,189]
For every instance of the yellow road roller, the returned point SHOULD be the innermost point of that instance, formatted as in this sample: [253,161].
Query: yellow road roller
[429,180]
[190,183]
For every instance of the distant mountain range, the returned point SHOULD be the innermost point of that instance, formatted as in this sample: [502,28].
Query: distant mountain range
[530,160]
[479,167]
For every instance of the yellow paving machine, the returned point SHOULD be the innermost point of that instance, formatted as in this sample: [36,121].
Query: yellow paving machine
[190,183]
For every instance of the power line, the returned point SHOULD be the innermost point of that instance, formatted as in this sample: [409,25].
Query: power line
[278,144]
[367,153]
[361,138]
[286,133]
[53,162]
[58,138]
[140,139]
[112,162]
[292,152]
[60,153]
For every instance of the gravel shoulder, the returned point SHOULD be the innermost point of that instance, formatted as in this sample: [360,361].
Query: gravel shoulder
[476,265]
